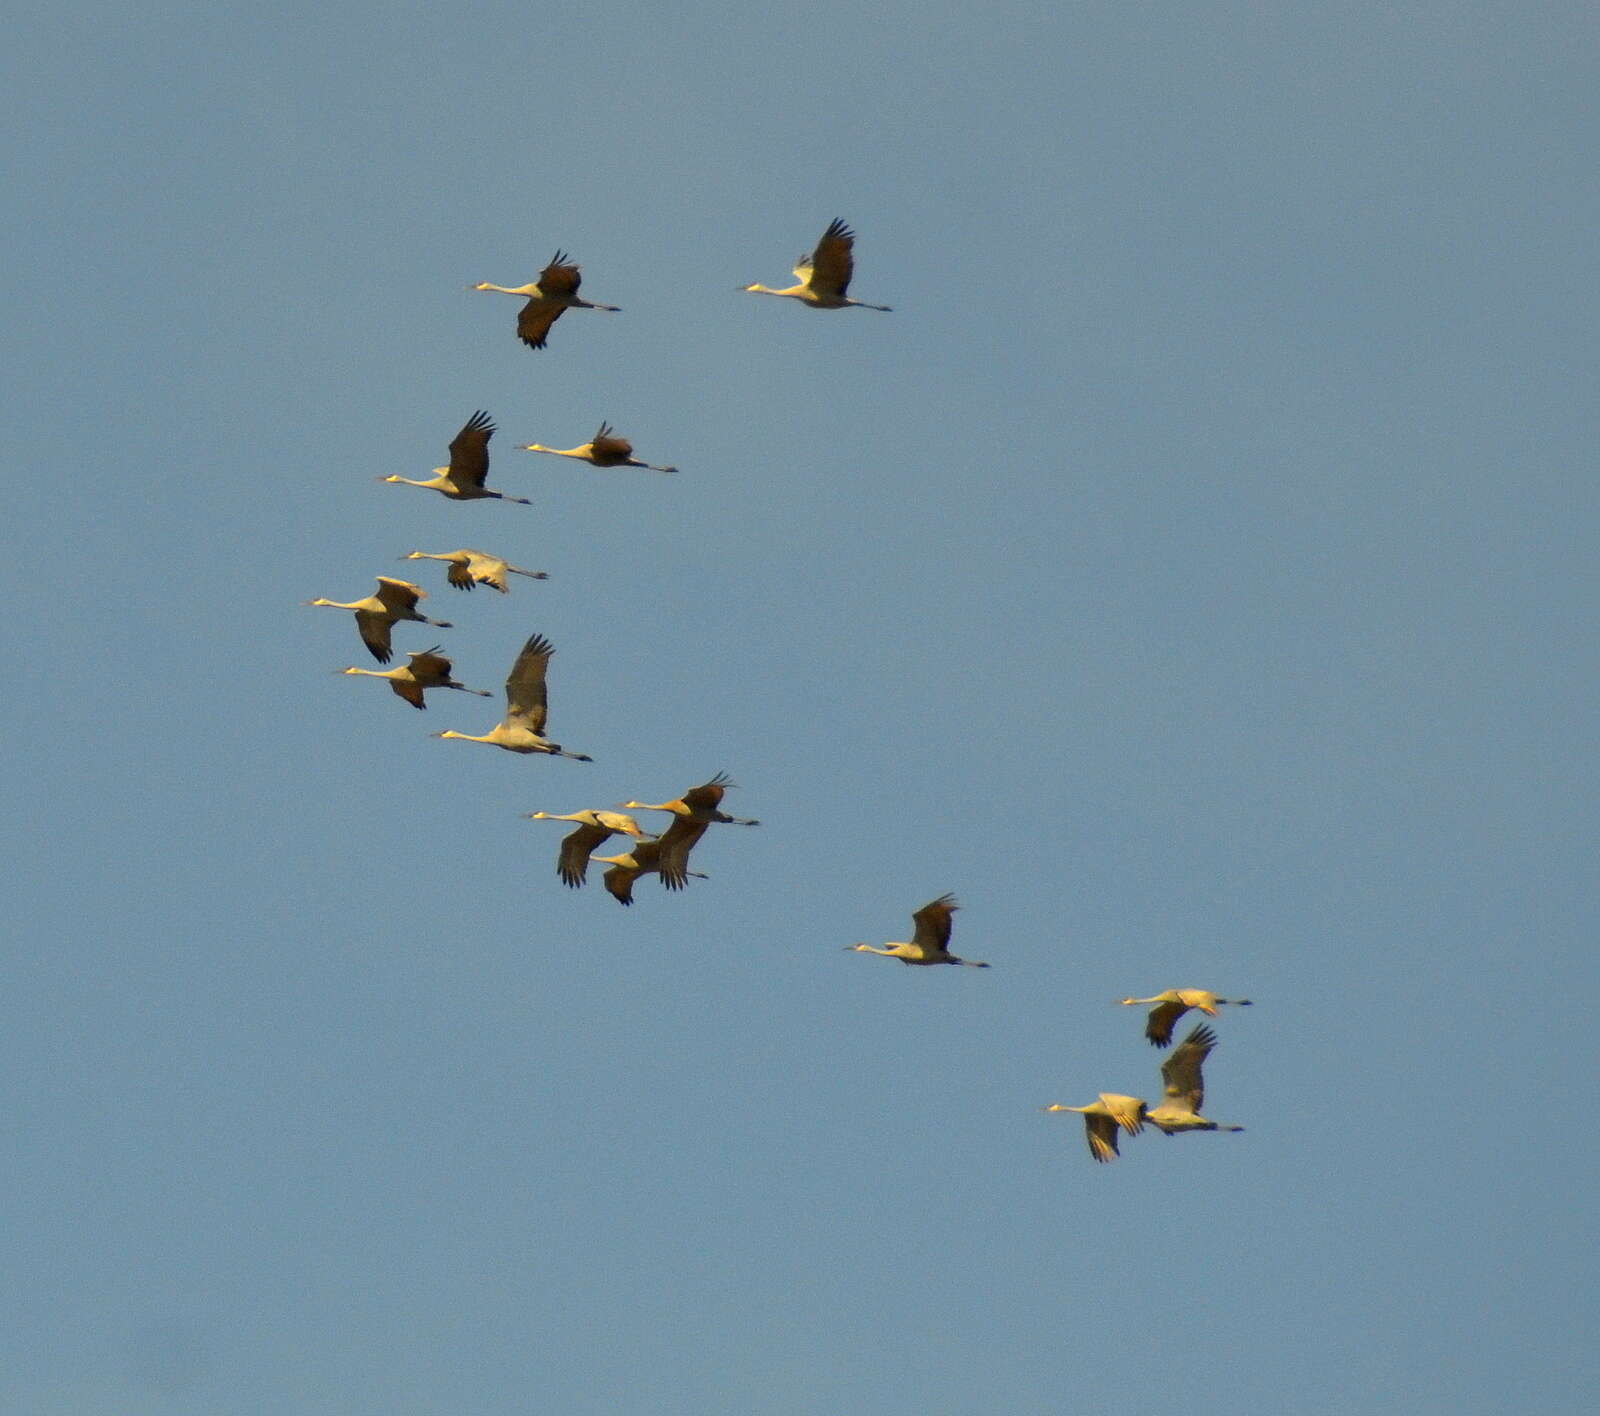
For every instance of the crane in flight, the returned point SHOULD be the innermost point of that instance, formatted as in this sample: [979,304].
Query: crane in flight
[824,275]
[930,943]
[697,809]
[594,828]
[527,707]
[604,449]
[1172,1004]
[463,479]
[429,669]
[377,614]
[549,297]
[469,569]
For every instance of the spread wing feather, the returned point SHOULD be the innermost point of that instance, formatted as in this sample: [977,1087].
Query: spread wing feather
[933,924]
[832,263]
[469,451]
[526,702]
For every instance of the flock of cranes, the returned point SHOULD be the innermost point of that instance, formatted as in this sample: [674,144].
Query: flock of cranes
[823,283]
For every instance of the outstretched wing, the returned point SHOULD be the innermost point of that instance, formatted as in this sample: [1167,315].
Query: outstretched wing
[469,454]
[560,278]
[606,444]
[410,690]
[674,847]
[460,575]
[832,263]
[619,881]
[526,702]
[374,632]
[1126,1111]
[708,795]
[933,924]
[486,570]
[1158,1027]
[1181,1071]
[1102,1131]
[430,668]
[573,864]
[399,596]
[534,320]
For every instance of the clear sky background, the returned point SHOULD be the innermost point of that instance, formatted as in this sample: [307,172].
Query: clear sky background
[1194,573]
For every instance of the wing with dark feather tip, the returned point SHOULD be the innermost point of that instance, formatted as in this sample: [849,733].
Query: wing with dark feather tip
[469,451]
[573,863]
[560,277]
[933,924]
[674,847]
[1158,1028]
[832,263]
[1181,1071]
[526,702]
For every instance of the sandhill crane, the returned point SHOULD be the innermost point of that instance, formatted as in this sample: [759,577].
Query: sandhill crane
[472,568]
[695,810]
[1173,1004]
[604,449]
[429,669]
[526,707]
[643,859]
[554,291]
[824,275]
[376,615]
[462,480]
[1185,1090]
[1101,1119]
[930,942]
[594,827]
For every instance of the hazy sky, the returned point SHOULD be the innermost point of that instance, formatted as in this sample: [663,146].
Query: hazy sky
[1194,573]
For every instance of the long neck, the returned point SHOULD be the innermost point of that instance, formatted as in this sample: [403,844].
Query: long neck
[337,605]
[410,481]
[578,452]
[766,290]
[372,673]
[502,289]
[465,737]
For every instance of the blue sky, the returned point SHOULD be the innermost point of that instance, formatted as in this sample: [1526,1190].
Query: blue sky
[1194,573]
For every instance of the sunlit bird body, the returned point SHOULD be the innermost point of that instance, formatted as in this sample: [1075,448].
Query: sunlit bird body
[469,569]
[605,449]
[377,614]
[463,479]
[824,275]
[594,828]
[930,942]
[693,812]
[527,707]
[643,859]
[1173,1004]
[1101,1119]
[429,669]
[549,297]
[1185,1090]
